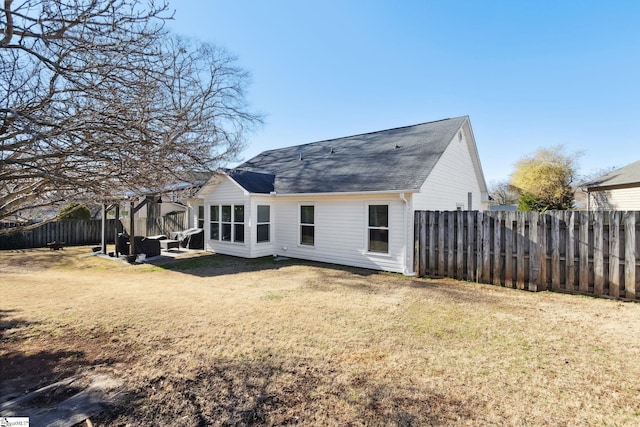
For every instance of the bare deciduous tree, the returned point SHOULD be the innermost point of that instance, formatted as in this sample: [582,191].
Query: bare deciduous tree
[97,98]
[502,193]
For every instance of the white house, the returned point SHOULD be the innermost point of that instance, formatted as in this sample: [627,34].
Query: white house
[348,201]
[617,190]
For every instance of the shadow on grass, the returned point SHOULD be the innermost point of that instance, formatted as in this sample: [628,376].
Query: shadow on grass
[211,265]
[330,277]
[27,368]
[32,360]
[272,392]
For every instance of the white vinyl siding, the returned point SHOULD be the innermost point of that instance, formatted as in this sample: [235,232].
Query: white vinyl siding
[448,185]
[340,235]
[623,199]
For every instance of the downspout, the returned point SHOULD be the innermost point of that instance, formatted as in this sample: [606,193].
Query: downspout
[408,269]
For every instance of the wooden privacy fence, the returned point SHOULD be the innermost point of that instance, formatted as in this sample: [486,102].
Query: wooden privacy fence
[75,232]
[593,253]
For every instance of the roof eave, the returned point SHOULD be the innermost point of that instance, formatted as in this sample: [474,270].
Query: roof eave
[613,186]
[341,193]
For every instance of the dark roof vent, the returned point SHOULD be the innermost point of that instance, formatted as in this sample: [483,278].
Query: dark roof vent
[397,146]
[331,150]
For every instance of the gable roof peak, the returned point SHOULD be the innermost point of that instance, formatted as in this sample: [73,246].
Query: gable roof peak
[396,159]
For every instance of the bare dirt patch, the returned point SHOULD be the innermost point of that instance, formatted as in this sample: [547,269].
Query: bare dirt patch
[215,340]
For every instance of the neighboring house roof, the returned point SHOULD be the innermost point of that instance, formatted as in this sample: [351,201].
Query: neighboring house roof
[625,177]
[397,159]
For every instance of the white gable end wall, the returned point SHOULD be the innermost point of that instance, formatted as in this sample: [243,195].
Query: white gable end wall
[227,192]
[450,181]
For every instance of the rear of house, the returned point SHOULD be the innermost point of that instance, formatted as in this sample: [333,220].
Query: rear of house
[616,190]
[346,201]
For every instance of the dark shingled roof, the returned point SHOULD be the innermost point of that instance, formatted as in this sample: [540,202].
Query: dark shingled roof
[390,160]
[623,177]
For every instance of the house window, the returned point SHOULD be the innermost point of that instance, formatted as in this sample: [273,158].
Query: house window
[378,229]
[214,231]
[200,216]
[307,225]
[264,216]
[227,223]
[238,223]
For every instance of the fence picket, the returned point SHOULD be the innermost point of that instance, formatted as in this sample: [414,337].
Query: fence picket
[441,254]
[534,250]
[470,245]
[498,265]
[460,245]
[630,254]
[583,251]
[614,254]
[450,244]
[432,242]
[598,254]
[555,252]
[571,251]
[508,249]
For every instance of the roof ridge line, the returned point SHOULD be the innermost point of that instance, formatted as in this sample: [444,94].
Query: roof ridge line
[364,133]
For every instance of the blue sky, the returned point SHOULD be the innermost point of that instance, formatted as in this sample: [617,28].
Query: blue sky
[530,74]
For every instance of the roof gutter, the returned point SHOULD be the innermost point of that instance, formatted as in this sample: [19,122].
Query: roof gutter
[346,193]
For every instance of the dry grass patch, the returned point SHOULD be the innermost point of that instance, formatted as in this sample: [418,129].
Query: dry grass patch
[222,341]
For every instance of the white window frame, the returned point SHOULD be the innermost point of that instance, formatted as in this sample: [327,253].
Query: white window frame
[201,219]
[301,224]
[258,224]
[233,223]
[369,227]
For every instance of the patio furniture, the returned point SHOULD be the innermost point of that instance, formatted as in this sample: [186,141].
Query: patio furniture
[55,245]
[193,238]
[167,244]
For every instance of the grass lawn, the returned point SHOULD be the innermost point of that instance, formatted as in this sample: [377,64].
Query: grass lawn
[215,340]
